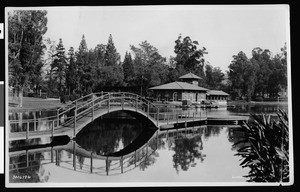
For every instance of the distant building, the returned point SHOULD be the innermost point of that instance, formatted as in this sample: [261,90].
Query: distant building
[179,91]
[216,95]
[188,89]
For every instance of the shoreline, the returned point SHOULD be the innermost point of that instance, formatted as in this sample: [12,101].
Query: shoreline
[39,104]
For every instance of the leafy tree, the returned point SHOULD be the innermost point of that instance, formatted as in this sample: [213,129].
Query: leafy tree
[188,56]
[213,77]
[128,69]
[261,59]
[278,77]
[100,50]
[25,48]
[81,62]
[71,74]
[149,66]
[111,56]
[59,67]
[242,76]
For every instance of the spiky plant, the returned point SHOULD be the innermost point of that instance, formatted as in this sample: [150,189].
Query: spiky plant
[266,148]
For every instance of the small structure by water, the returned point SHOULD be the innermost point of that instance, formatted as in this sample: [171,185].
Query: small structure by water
[187,90]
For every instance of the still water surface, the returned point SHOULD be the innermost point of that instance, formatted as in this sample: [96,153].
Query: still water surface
[199,154]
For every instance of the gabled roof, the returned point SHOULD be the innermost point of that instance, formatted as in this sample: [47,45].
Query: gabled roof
[217,92]
[179,86]
[190,76]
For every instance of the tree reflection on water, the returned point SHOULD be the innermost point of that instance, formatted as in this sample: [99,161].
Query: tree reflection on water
[187,150]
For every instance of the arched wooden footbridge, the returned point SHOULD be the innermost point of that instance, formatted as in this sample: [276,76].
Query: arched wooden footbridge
[75,116]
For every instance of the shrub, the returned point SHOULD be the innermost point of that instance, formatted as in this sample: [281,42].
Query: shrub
[266,149]
[260,99]
[74,96]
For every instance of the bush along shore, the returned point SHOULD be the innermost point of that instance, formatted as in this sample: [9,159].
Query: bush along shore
[265,148]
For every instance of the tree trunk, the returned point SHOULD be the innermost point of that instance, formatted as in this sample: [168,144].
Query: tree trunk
[20,92]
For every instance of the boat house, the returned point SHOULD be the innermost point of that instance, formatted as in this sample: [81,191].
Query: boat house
[188,89]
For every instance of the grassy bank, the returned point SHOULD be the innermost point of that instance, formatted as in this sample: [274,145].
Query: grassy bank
[35,103]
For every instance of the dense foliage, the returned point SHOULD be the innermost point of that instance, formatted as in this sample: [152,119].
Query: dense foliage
[25,48]
[260,76]
[266,150]
[81,71]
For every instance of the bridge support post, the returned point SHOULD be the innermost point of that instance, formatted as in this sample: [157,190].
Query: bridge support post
[135,158]
[106,165]
[74,156]
[52,155]
[91,162]
[57,157]
[121,162]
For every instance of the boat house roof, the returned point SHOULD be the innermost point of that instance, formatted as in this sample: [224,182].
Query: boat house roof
[190,76]
[179,86]
[217,92]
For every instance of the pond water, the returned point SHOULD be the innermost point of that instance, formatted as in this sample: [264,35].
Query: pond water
[197,154]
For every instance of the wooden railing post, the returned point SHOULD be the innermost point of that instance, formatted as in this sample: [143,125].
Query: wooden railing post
[108,103]
[200,113]
[93,104]
[27,130]
[75,119]
[193,116]
[34,121]
[157,120]
[122,101]
[27,159]
[57,111]
[52,129]
[167,119]
[148,109]
[185,120]
[136,102]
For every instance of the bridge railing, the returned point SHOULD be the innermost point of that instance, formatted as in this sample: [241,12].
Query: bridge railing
[87,105]
[64,115]
[119,99]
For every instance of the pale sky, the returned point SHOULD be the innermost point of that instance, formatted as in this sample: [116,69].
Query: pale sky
[222,30]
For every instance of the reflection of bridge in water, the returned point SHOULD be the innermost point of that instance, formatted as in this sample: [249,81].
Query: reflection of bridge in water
[111,164]
[73,118]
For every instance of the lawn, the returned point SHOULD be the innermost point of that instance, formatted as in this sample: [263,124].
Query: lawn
[36,103]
